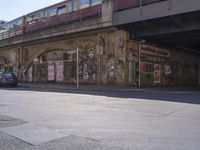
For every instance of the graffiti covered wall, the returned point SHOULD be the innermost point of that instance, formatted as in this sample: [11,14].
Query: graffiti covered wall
[153,62]
[106,58]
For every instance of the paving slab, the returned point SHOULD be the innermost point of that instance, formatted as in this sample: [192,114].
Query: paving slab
[134,122]
[7,121]
[8,142]
[74,142]
[33,134]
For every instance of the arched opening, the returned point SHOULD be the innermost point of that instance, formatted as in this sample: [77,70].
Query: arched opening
[60,66]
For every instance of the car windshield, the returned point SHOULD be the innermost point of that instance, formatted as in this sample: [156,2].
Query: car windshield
[8,75]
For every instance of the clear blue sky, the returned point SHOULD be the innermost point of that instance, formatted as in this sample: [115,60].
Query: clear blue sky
[11,9]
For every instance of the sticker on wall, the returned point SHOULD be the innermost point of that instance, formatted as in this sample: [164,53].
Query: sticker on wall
[167,69]
[91,53]
[157,73]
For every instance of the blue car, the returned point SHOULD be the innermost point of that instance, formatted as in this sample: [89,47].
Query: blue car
[8,78]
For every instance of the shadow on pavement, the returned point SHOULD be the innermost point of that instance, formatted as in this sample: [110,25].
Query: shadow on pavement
[187,95]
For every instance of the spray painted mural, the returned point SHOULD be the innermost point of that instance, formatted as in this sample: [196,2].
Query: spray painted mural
[60,66]
[116,70]
[89,71]
[120,67]
[154,66]
[111,70]
[133,71]
[117,59]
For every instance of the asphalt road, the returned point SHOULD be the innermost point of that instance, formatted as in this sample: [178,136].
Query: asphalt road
[92,119]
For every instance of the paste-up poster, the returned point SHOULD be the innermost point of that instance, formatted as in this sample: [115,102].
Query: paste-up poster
[51,71]
[59,71]
[29,75]
[167,69]
[157,73]
[85,72]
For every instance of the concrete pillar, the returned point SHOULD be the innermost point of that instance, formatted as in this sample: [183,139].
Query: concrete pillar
[20,62]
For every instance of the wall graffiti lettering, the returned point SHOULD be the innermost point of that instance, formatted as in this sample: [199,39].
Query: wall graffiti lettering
[111,70]
[89,70]
[120,70]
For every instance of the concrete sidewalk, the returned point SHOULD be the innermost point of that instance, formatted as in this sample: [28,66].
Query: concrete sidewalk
[62,86]
[39,119]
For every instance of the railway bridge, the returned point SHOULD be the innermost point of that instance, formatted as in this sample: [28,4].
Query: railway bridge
[120,42]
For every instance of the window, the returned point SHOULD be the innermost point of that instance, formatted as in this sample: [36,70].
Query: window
[36,17]
[61,10]
[44,14]
[44,58]
[74,5]
[69,7]
[84,3]
[95,2]
[52,12]
[29,19]
[16,23]
[4,28]
[33,18]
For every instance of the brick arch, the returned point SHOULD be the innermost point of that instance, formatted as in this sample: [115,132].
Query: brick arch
[42,52]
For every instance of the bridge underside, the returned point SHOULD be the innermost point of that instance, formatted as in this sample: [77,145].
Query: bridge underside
[184,40]
[179,31]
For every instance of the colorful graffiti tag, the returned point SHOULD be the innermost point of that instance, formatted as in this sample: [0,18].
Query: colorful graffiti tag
[154,65]
[111,70]
[89,70]
[119,75]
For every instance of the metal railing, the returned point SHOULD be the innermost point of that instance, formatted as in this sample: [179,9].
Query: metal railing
[59,23]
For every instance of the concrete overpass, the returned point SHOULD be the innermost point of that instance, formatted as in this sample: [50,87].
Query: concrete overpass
[173,23]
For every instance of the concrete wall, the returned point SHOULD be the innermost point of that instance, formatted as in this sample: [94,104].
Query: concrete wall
[162,67]
[156,10]
[108,58]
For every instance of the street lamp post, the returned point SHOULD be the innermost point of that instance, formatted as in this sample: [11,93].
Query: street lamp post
[139,80]
[99,53]
[35,62]
[77,68]
[139,62]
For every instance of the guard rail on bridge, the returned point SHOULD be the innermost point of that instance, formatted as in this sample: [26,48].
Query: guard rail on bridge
[78,21]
